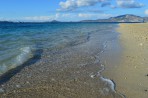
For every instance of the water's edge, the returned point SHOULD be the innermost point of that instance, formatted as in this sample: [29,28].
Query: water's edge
[89,43]
[10,73]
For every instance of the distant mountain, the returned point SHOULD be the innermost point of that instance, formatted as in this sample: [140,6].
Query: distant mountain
[126,18]
[55,21]
[122,19]
[145,19]
[6,22]
[118,19]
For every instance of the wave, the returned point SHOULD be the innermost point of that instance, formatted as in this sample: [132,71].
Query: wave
[25,54]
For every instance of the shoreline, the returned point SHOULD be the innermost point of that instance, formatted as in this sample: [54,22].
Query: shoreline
[12,72]
[131,70]
[66,73]
[124,57]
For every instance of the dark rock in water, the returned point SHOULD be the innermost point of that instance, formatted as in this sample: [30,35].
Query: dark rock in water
[146,90]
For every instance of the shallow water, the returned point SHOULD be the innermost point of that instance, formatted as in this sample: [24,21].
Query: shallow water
[73,48]
[19,41]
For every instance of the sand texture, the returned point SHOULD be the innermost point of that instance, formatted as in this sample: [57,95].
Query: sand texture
[131,76]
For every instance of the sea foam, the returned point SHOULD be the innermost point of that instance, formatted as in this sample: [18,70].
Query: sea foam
[24,54]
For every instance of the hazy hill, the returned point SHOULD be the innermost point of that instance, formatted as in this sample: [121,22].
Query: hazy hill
[119,19]
[122,18]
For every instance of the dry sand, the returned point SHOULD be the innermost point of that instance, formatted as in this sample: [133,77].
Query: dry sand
[130,71]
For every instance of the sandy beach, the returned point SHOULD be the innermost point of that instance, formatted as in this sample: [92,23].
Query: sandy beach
[69,73]
[74,49]
[130,71]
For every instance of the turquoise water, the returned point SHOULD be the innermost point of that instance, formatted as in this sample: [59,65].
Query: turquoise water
[19,41]
[60,45]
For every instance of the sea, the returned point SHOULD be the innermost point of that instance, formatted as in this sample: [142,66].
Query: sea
[63,45]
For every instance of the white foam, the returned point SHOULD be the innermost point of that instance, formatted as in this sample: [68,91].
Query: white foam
[109,83]
[92,76]
[104,91]
[24,55]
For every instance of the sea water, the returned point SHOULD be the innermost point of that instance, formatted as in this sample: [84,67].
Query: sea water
[20,41]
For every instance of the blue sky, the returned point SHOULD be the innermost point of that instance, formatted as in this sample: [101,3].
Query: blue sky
[69,10]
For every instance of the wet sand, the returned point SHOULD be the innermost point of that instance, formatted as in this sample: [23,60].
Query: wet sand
[43,80]
[130,71]
[47,80]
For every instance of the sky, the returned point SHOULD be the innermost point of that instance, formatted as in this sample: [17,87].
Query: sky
[69,10]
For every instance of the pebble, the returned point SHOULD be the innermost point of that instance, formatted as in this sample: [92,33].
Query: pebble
[18,86]
[92,76]
[146,90]
[141,44]
[1,90]
[140,84]
[27,82]
[53,79]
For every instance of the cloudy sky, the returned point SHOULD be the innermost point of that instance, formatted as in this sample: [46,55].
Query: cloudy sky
[69,10]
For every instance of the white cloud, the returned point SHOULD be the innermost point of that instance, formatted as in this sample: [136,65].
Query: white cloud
[82,15]
[67,17]
[2,19]
[94,16]
[129,4]
[38,18]
[7,19]
[73,4]
[88,2]
[57,16]
[42,18]
[146,12]
[69,4]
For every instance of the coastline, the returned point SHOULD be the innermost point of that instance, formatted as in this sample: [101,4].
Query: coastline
[124,58]
[69,72]
[130,72]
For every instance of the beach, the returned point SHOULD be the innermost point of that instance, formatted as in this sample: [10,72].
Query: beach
[65,61]
[74,49]
[130,72]
[102,60]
